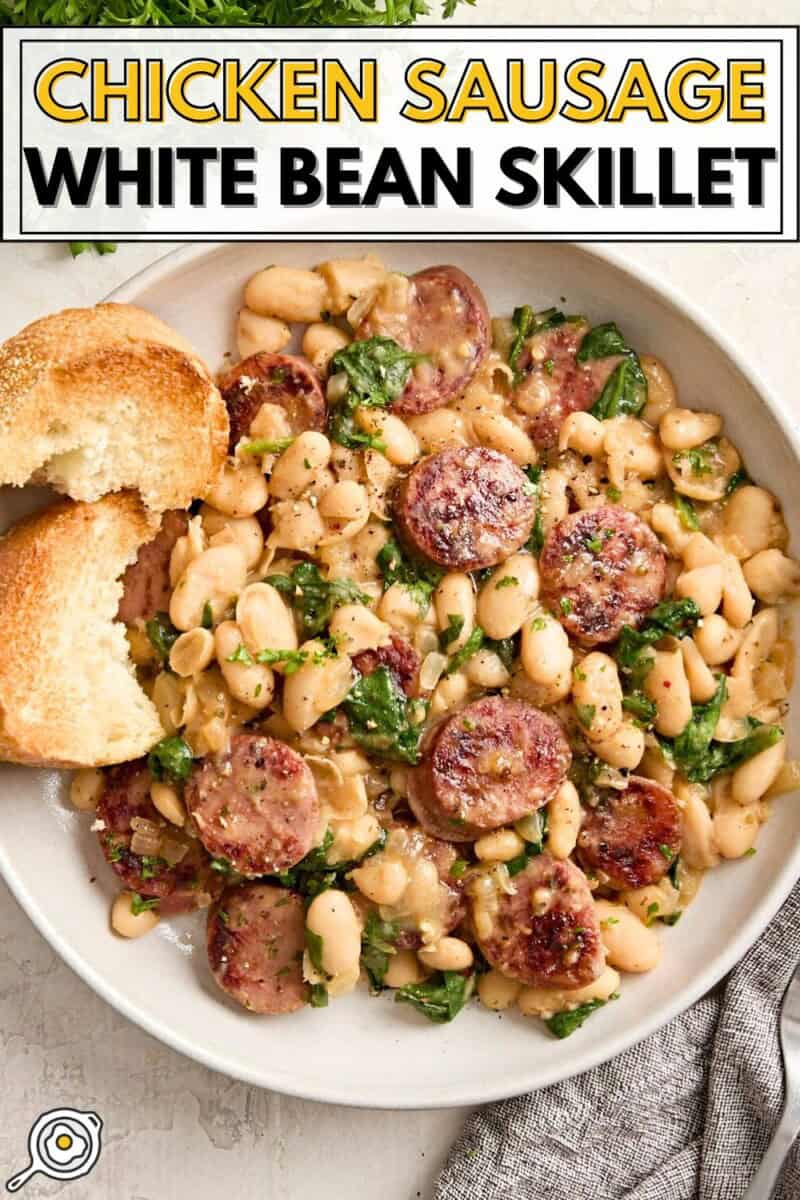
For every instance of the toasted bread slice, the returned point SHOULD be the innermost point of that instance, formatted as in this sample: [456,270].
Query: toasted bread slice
[98,400]
[68,691]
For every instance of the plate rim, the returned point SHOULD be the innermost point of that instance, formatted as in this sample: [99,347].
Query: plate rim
[596,1054]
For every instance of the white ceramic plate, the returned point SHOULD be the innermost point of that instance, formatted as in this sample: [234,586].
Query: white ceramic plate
[361,1050]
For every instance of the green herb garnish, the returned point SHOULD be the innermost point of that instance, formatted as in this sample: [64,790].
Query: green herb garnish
[162,634]
[377,371]
[171,758]
[314,599]
[417,578]
[440,998]
[382,718]
[140,905]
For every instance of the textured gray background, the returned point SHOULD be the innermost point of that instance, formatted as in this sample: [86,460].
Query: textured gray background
[174,1129]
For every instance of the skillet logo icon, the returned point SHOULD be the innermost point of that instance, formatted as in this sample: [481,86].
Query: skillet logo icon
[63,1144]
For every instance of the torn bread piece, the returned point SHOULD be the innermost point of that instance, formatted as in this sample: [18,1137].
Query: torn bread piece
[68,691]
[104,399]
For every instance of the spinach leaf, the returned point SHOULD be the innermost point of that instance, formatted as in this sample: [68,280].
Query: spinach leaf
[737,480]
[671,618]
[377,945]
[162,634]
[565,1023]
[455,624]
[640,707]
[695,752]
[536,540]
[382,717]
[504,648]
[526,324]
[319,996]
[418,578]
[533,830]
[171,758]
[686,512]
[625,390]
[377,371]
[440,998]
[314,945]
[471,646]
[314,874]
[314,598]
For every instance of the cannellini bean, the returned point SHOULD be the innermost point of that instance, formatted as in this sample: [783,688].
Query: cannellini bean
[454,600]
[653,901]
[245,531]
[748,521]
[507,597]
[496,991]
[755,777]
[345,508]
[260,335]
[564,815]
[553,498]
[736,825]
[772,577]
[291,293]
[449,693]
[271,423]
[630,945]
[440,428]
[702,684]
[192,651]
[632,449]
[666,522]
[757,642]
[737,600]
[682,428]
[700,551]
[401,445]
[666,684]
[655,766]
[661,393]
[353,838]
[240,491]
[449,954]
[703,585]
[624,748]
[296,525]
[128,925]
[332,918]
[545,651]
[382,880]
[321,341]
[85,789]
[250,683]
[167,800]
[321,683]
[716,640]
[356,627]
[597,695]
[349,278]
[214,578]
[398,607]
[299,465]
[544,1002]
[486,670]
[404,968]
[500,846]
[541,695]
[698,848]
[582,432]
[423,891]
[265,619]
[703,472]
[499,433]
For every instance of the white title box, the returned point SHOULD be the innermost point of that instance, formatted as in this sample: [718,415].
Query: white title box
[528,133]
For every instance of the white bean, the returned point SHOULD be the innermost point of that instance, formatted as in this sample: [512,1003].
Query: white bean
[454,601]
[321,341]
[245,531]
[630,945]
[682,428]
[499,433]
[265,619]
[345,508]
[749,519]
[736,825]
[168,802]
[291,293]
[737,601]
[772,577]
[349,278]
[597,695]
[321,683]
[332,918]
[356,627]
[260,335]
[702,684]
[240,491]
[404,968]
[401,445]
[500,846]
[85,789]
[437,429]
[755,777]
[757,643]
[698,848]
[382,880]
[450,692]
[582,432]
[296,525]
[299,465]
[624,748]
[653,901]
[507,597]
[249,682]
[716,640]
[398,607]
[544,1002]
[661,392]
[214,578]
[449,954]
[192,651]
[545,651]
[564,815]
[496,991]
[667,686]
[486,670]
[128,925]
[703,585]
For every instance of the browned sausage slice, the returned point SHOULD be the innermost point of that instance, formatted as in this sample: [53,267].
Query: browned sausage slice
[255,805]
[601,568]
[547,933]
[255,938]
[399,657]
[145,585]
[554,384]
[631,837]
[281,379]
[489,764]
[445,317]
[125,809]
[465,508]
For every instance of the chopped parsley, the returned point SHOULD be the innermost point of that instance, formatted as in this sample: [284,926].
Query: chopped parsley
[267,446]
[738,479]
[565,604]
[697,459]
[506,582]
[686,512]
[241,655]
[152,865]
[207,619]
[140,905]
[171,758]
[290,660]
[458,868]
[315,946]
[162,634]
[536,540]
[452,633]
[440,998]
[471,646]
[318,996]
[586,714]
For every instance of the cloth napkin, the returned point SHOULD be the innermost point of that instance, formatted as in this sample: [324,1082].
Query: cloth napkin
[685,1115]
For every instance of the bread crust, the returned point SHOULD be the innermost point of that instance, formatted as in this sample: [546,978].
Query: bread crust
[68,693]
[103,399]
